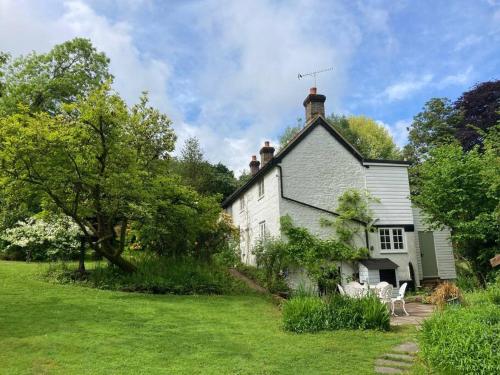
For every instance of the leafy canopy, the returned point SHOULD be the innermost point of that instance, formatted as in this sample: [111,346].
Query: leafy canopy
[95,162]
[43,82]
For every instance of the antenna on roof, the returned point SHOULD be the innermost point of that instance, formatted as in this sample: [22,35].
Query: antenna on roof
[313,74]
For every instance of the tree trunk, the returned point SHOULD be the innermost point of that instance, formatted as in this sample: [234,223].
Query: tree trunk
[81,258]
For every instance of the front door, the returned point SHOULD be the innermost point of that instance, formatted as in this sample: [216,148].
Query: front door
[428,253]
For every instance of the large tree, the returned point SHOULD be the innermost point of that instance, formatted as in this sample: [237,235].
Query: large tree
[43,82]
[204,177]
[479,110]
[371,139]
[96,162]
[434,126]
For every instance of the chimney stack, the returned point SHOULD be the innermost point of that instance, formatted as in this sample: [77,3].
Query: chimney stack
[266,153]
[254,165]
[314,104]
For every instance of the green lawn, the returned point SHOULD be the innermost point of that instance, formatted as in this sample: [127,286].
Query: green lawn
[63,329]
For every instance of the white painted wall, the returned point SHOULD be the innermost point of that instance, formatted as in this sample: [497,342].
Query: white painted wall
[389,184]
[256,210]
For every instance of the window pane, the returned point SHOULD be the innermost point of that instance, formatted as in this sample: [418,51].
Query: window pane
[385,239]
[397,238]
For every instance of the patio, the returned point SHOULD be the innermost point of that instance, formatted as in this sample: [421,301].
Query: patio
[418,312]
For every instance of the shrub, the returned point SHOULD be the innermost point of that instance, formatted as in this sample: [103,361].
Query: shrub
[157,275]
[55,238]
[444,294]
[275,285]
[311,314]
[493,291]
[304,314]
[463,340]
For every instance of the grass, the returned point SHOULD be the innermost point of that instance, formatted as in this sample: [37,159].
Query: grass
[67,329]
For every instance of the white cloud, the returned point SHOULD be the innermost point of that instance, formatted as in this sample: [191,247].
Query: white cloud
[406,88]
[27,26]
[398,131]
[457,79]
[252,52]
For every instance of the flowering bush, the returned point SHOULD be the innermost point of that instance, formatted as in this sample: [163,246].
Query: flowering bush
[38,239]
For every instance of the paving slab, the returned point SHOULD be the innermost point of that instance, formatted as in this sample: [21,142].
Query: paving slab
[407,347]
[387,370]
[391,363]
[398,357]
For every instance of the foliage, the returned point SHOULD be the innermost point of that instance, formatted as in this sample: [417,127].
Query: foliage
[275,284]
[272,256]
[312,314]
[42,239]
[157,275]
[45,82]
[479,110]
[444,294]
[198,173]
[371,139]
[434,126]
[354,215]
[178,221]
[461,190]
[130,333]
[463,340]
[95,162]
[466,278]
[316,255]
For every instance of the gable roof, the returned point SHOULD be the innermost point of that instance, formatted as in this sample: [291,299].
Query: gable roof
[318,121]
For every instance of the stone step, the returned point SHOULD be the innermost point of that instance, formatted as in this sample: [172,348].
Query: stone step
[399,357]
[388,370]
[407,347]
[390,363]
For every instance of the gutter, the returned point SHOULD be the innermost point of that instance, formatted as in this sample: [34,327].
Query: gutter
[365,225]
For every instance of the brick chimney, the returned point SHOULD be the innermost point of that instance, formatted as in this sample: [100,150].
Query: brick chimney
[254,165]
[266,153]
[314,104]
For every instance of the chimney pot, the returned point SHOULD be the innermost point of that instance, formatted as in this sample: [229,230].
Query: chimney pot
[266,153]
[313,91]
[254,165]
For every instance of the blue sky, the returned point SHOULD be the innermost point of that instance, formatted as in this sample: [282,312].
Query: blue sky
[226,71]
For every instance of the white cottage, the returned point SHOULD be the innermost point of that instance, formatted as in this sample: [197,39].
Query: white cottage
[305,179]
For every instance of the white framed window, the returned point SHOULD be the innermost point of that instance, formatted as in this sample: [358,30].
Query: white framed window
[262,230]
[261,187]
[391,239]
[242,204]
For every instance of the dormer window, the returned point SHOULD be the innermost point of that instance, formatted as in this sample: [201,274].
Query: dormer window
[261,188]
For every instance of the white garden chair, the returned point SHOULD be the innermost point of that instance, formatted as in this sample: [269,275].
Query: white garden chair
[354,289]
[400,298]
[341,290]
[384,290]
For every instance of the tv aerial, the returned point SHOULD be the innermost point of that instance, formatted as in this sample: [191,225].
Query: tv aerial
[313,74]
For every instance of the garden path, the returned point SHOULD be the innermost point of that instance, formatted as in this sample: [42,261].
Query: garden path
[398,360]
[418,313]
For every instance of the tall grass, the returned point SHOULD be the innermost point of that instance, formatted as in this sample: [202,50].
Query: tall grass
[305,313]
[157,275]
